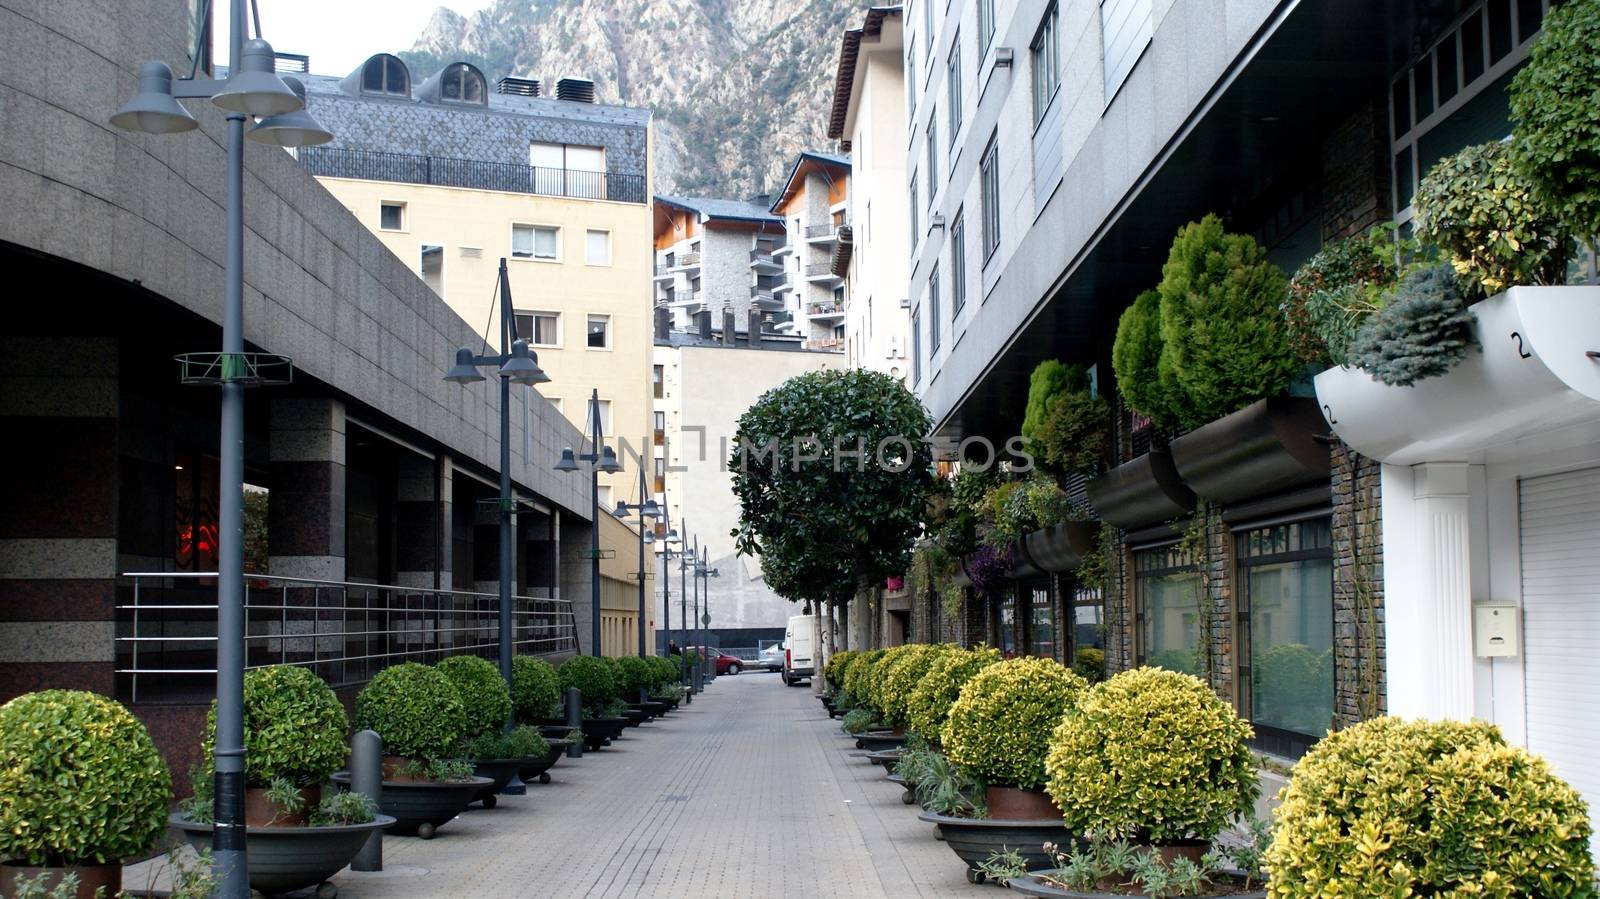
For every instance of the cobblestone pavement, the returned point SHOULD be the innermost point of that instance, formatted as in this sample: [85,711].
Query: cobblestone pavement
[750,792]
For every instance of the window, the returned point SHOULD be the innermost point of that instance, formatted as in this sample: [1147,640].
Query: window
[933,309]
[958,264]
[1285,622]
[660,473]
[658,381]
[599,332]
[989,170]
[660,428]
[536,242]
[933,154]
[1125,30]
[927,29]
[916,347]
[384,74]
[432,267]
[1046,65]
[540,328]
[568,170]
[911,83]
[916,232]
[1041,620]
[597,247]
[953,86]
[1167,597]
[985,26]
[605,496]
[392,216]
[461,83]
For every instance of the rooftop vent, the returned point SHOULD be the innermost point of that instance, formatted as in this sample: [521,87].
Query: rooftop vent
[520,87]
[291,63]
[578,90]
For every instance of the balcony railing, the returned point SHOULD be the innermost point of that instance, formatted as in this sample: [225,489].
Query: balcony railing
[477,174]
[821,230]
[820,270]
[166,644]
[821,309]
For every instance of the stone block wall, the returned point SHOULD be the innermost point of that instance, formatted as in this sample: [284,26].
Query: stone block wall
[1360,690]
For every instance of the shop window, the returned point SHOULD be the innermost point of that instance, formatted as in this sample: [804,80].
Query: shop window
[1285,633]
[195,505]
[1041,621]
[1167,593]
[1088,618]
[1006,624]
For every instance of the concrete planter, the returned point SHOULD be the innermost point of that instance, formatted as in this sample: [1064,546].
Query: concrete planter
[538,766]
[283,859]
[1032,885]
[499,772]
[975,839]
[421,807]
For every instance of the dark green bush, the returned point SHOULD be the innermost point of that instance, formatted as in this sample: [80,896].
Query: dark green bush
[1555,110]
[80,781]
[535,689]
[1136,359]
[1423,331]
[415,709]
[1224,342]
[635,675]
[1334,292]
[484,695]
[518,743]
[1050,379]
[595,678]
[294,727]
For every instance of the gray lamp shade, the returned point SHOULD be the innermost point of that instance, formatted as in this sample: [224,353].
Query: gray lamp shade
[649,535]
[567,463]
[153,110]
[521,367]
[291,129]
[649,509]
[253,88]
[621,511]
[608,461]
[463,372]
[672,535]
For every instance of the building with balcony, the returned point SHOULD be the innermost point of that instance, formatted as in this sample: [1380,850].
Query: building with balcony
[1054,151]
[814,203]
[868,118]
[717,258]
[453,174]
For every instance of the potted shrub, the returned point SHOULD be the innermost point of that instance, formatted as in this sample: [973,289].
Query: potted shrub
[84,761]
[998,733]
[486,703]
[499,753]
[900,681]
[535,689]
[294,738]
[1555,102]
[1153,756]
[597,684]
[1391,807]
[928,706]
[1107,868]
[634,679]
[418,712]
[664,682]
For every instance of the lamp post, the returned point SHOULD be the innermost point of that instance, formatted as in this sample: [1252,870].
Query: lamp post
[683,611]
[516,364]
[704,574]
[648,511]
[600,458]
[251,90]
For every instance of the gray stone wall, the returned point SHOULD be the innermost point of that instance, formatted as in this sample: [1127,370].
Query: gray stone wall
[725,277]
[1360,688]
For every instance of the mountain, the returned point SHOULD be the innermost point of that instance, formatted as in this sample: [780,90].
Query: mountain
[738,86]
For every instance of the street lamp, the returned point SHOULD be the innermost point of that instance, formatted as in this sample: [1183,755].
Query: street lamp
[252,89]
[704,574]
[600,458]
[516,364]
[648,512]
[683,612]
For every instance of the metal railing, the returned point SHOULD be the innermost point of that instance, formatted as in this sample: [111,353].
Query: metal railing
[820,269]
[828,230]
[345,632]
[825,309]
[377,165]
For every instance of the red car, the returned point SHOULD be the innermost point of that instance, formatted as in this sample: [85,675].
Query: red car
[726,664]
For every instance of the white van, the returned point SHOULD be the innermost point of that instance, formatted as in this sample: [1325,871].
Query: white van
[799,657]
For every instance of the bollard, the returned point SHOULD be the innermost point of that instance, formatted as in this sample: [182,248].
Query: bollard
[366,778]
[699,679]
[575,721]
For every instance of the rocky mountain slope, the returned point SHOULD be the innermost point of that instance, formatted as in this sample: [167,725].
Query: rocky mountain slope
[738,86]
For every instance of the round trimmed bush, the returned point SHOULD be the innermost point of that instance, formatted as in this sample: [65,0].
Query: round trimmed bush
[535,689]
[928,707]
[901,680]
[1555,110]
[595,679]
[1153,755]
[858,680]
[1392,807]
[664,671]
[484,695]
[838,663]
[886,663]
[635,676]
[80,781]
[999,728]
[294,727]
[415,709]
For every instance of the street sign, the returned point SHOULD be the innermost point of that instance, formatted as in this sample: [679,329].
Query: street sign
[705,618]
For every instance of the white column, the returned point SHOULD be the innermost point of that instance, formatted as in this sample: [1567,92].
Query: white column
[1441,615]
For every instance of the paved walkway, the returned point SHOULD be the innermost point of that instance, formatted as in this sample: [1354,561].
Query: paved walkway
[750,791]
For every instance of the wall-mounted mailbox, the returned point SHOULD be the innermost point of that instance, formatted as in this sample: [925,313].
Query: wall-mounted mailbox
[1496,630]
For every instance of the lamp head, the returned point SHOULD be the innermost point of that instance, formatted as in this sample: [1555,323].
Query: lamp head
[521,367]
[649,509]
[463,372]
[621,511]
[567,463]
[153,110]
[254,88]
[608,461]
[672,535]
[291,129]
[649,536]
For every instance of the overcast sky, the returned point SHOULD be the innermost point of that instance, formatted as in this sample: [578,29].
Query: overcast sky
[339,34]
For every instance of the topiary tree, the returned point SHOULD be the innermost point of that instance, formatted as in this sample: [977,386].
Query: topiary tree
[81,783]
[928,707]
[1555,113]
[294,727]
[1136,360]
[1423,331]
[595,679]
[832,477]
[415,709]
[1152,755]
[1224,343]
[1072,437]
[485,698]
[999,727]
[901,683]
[635,677]
[535,689]
[882,669]
[1421,808]
[1050,380]
[664,672]
[1497,233]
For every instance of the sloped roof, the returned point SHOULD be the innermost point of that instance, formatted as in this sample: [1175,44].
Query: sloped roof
[727,210]
[844,79]
[803,162]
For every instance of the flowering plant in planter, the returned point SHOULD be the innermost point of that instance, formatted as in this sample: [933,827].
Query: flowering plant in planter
[999,727]
[485,699]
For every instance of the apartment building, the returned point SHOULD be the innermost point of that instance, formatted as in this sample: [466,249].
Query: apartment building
[453,174]
[814,202]
[1055,147]
[868,118]
[716,257]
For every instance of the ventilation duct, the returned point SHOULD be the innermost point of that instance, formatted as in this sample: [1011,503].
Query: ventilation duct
[578,90]
[517,87]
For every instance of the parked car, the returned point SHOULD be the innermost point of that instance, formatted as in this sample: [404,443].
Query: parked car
[726,664]
[771,658]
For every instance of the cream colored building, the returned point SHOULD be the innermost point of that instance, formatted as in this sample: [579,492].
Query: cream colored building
[619,590]
[452,182]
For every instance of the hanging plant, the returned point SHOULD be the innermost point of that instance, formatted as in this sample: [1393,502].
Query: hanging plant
[989,566]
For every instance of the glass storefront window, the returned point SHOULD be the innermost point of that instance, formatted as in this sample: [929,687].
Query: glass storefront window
[1286,632]
[1041,623]
[1168,593]
[1006,632]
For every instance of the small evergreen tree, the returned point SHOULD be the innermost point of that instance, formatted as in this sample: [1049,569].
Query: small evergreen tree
[1135,357]
[1422,332]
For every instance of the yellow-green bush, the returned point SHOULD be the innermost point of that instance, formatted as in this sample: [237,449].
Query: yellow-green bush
[881,669]
[928,707]
[900,680]
[999,728]
[837,665]
[1392,807]
[858,679]
[1153,755]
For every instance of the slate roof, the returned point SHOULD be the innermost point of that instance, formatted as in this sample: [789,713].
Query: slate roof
[734,210]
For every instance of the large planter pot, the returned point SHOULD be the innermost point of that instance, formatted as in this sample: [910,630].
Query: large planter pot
[655,708]
[555,731]
[1032,885]
[499,772]
[974,840]
[260,812]
[90,877]
[1061,547]
[1013,804]
[538,766]
[597,732]
[421,807]
[875,740]
[1144,491]
[283,859]
[884,757]
[909,797]
[1268,446]
[637,715]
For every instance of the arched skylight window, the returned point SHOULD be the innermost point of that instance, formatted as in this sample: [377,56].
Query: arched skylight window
[385,74]
[463,84]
